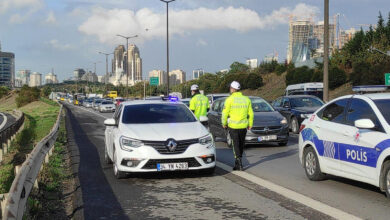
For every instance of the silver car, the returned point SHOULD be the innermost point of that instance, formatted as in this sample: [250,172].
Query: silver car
[107,106]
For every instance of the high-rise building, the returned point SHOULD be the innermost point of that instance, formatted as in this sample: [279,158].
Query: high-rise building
[298,45]
[23,77]
[252,63]
[161,74]
[7,68]
[78,73]
[318,34]
[197,73]
[51,78]
[90,77]
[118,58]
[134,63]
[177,77]
[35,79]
[345,36]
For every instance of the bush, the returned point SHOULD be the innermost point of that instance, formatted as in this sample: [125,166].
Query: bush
[366,74]
[27,95]
[337,77]
[299,75]
[253,81]
[3,91]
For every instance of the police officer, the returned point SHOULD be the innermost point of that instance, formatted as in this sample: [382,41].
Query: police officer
[199,103]
[238,108]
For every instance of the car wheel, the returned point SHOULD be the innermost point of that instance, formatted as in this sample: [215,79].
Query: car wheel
[117,173]
[107,159]
[229,140]
[312,165]
[386,178]
[294,125]
[282,144]
[208,171]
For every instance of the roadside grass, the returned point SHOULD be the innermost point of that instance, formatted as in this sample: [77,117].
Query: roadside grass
[8,103]
[39,119]
[47,202]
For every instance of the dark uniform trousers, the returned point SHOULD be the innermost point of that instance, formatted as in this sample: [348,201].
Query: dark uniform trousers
[238,138]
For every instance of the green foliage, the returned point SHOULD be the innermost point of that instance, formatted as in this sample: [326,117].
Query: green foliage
[254,81]
[238,67]
[27,95]
[337,77]
[367,74]
[45,91]
[3,91]
[6,177]
[299,75]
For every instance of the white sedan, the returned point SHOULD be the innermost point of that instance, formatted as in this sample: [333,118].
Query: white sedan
[106,106]
[349,137]
[157,136]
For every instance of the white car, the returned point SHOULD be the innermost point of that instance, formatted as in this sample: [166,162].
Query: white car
[157,135]
[349,137]
[106,106]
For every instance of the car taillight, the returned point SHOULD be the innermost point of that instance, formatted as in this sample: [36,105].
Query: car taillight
[302,127]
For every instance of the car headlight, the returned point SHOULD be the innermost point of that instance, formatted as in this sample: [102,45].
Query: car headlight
[128,143]
[206,140]
[283,121]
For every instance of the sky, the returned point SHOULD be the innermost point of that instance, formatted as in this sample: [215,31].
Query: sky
[207,34]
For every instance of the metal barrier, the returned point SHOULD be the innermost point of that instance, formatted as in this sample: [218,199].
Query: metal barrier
[8,133]
[15,203]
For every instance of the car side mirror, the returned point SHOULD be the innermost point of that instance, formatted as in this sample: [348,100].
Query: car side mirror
[364,124]
[203,119]
[110,122]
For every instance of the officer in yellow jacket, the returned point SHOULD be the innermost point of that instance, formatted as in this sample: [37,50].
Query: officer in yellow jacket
[199,103]
[237,117]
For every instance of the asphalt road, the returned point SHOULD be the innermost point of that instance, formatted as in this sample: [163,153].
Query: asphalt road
[161,195]
[10,120]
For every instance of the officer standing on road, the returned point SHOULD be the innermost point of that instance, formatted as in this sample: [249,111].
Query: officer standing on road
[199,103]
[238,108]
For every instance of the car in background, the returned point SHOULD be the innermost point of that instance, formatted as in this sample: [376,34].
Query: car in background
[118,101]
[311,88]
[88,103]
[107,106]
[296,108]
[96,103]
[157,136]
[269,126]
[186,101]
[349,137]
[213,97]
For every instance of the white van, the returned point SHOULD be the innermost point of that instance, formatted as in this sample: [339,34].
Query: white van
[312,88]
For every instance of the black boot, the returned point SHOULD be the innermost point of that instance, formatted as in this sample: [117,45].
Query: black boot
[240,164]
[236,166]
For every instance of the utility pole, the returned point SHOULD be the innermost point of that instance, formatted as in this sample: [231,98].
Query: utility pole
[106,80]
[326,50]
[167,2]
[127,57]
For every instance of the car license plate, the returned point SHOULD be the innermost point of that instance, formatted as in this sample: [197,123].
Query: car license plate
[172,166]
[267,138]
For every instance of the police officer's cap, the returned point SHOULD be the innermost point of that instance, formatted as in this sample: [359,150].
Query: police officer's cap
[235,85]
[194,87]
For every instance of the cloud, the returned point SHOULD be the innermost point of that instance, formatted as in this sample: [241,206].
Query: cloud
[106,23]
[201,42]
[51,18]
[6,5]
[54,43]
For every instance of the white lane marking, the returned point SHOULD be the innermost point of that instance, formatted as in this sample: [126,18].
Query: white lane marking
[4,120]
[304,200]
[90,111]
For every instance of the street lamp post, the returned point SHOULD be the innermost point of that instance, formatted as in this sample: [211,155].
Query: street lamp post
[127,68]
[106,54]
[326,51]
[167,2]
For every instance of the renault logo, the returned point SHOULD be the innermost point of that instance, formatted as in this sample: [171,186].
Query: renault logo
[171,145]
[266,129]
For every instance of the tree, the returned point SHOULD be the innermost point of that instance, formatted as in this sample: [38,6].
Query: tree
[238,67]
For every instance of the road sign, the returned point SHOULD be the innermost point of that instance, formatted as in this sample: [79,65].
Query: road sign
[153,81]
[387,79]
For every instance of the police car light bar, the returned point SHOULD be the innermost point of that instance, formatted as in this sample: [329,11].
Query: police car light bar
[170,98]
[370,88]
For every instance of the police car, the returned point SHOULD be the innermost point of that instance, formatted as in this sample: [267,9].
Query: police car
[349,137]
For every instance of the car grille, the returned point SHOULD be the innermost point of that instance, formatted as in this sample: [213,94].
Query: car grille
[152,164]
[266,130]
[161,146]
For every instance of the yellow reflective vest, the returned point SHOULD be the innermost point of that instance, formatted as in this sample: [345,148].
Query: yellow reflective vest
[238,108]
[199,104]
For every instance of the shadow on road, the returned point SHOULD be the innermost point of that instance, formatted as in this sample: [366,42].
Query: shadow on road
[98,198]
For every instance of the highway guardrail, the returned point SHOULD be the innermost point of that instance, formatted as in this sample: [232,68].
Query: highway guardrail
[9,133]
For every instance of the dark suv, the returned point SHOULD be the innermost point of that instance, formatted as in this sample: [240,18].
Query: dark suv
[297,108]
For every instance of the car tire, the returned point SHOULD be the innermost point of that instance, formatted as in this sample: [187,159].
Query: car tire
[386,178]
[282,144]
[107,159]
[208,171]
[294,125]
[229,140]
[311,165]
[117,173]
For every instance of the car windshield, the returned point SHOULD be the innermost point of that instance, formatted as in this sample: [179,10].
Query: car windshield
[305,102]
[107,103]
[157,113]
[384,107]
[219,96]
[260,105]
[98,101]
